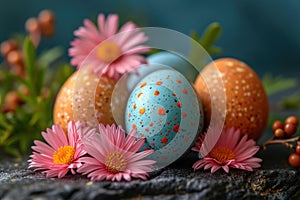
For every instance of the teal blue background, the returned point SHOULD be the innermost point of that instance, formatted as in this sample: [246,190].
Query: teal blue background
[264,34]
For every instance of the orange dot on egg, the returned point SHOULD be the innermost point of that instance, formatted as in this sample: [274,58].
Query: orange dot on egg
[164,140]
[134,126]
[179,105]
[164,157]
[156,93]
[142,111]
[150,124]
[184,91]
[178,81]
[134,106]
[143,85]
[161,111]
[139,95]
[176,128]
[159,82]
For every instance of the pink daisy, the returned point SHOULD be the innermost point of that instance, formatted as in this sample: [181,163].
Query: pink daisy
[230,151]
[114,155]
[62,152]
[112,54]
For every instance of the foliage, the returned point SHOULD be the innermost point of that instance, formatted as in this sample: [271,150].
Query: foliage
[274,85]
[292,101]
[207,40]
[18,129]
[209,37]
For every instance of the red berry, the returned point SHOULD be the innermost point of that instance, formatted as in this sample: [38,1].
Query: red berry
[298,149]
[32,25]
[277,124]
[292,120]
[46,17]
[294,160]
[15,57]
[8,46]
[290,129]
[279,133]
[12,97]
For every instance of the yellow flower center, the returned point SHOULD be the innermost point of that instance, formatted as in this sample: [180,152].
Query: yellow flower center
[108,51]
[64,155]
[222,154]
[115,162]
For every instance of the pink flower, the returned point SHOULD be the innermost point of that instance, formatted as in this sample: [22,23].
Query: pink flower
[230,151]
[114,155]
[62,152]
[112,54]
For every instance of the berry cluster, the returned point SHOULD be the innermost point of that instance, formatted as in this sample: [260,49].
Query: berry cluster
[287,129]
[13,55]
[43,25]
[283,133]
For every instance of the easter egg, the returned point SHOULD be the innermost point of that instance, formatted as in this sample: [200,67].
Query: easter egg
[165,110]
[177,62]
[83,87]
[246,101]
[134,78]
[163,60]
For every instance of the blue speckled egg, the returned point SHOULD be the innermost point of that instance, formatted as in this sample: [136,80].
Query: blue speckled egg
[165,110]
[163,60]
[175,61]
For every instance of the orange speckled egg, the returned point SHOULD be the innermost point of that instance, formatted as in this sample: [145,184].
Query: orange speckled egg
[246,103]
[92,99]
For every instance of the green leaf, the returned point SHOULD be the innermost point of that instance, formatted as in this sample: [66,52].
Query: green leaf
[30,58]
[49,56]
[27,99]
[39,80]
[291,102]
[210,35]
[275,85]
[12,151]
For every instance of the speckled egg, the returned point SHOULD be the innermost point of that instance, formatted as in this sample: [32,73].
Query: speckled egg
[246,100]
[177,62]
[165,110]
[84,96]
[163,60]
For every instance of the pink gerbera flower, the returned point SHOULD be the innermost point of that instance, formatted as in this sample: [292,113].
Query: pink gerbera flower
[111,54]
[230,151]
[114,155]
[62,152]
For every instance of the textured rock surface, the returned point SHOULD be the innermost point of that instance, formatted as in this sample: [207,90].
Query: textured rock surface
[275,180]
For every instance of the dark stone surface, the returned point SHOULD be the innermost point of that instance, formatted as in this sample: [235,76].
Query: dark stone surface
[275,180]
